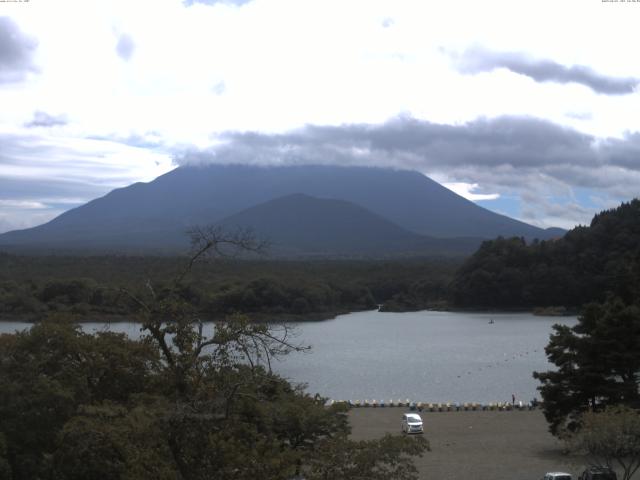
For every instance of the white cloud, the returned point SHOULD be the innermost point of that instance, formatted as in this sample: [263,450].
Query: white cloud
[466,190]
[193,72]
[290,63]
[42,175]
[22,204]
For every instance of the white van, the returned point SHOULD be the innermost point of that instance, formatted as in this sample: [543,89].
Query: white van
[557,476]
[412,423]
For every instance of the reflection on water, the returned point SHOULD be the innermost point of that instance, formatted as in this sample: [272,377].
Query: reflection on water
[423,356]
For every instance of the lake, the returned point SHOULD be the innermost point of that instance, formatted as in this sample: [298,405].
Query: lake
[424,356]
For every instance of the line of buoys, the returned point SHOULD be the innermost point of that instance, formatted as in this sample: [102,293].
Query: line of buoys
[497,363]
[436,407]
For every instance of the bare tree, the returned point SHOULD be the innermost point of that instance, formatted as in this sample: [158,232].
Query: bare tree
[215,241]
[206,373]
[172,322]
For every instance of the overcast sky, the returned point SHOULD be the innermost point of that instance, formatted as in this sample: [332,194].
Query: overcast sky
[529,108]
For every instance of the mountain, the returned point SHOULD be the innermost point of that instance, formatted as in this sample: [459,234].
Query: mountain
[303,225]
[155,215]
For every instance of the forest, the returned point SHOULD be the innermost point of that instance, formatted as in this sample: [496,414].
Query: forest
[91,287]
[588,264]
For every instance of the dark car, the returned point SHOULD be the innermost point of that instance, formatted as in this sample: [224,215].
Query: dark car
[598,473]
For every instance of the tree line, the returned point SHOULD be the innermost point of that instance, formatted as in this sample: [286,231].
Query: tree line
[586,265]
[33,286]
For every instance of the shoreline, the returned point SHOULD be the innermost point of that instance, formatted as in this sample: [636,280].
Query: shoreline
[302,318]
[261,318]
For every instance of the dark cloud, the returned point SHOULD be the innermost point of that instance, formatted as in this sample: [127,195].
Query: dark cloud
[624,152]
[238,3]
[43,119]
[16,52]
[125,47]
[476,60]
[505,154]
[411,143]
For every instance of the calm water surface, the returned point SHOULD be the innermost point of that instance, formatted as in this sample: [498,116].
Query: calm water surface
[423,356]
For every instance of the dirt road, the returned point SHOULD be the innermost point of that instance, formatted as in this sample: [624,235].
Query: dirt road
[476,445]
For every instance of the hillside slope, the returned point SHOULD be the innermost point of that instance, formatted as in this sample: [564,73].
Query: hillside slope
[586,265]
[303,225]
[155,214]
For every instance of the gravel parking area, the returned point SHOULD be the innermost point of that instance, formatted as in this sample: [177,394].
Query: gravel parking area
[476,445]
